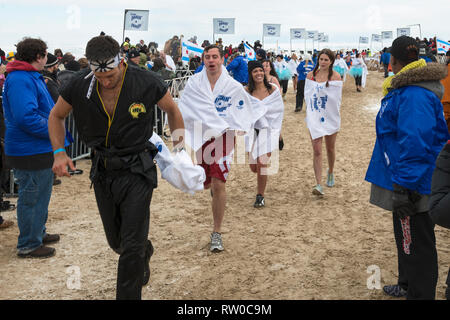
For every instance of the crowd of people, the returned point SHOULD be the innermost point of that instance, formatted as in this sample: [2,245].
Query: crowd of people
[228,96]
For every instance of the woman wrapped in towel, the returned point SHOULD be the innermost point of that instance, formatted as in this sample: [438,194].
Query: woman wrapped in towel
[264,139]
[359,72]
[323,93]
[340,67]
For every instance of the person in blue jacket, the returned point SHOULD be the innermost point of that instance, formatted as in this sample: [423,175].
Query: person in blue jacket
[27,104]
[238,66]
[303,69]
[410,133]
[385,58]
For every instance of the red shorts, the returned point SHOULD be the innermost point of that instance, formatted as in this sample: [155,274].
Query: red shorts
[215,157]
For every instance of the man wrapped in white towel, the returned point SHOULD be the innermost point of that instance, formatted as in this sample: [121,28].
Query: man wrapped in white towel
[214,106]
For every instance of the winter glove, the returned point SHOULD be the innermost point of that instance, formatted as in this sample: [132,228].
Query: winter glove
[403,201]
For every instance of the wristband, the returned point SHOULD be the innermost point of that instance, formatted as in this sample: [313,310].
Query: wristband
[59,150]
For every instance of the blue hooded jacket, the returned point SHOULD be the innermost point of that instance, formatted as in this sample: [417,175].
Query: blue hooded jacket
[411,131]
[27,105]
[239,68]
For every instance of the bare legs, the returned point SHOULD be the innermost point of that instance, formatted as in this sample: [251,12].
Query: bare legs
[259,169]
[218,202]
[330,142]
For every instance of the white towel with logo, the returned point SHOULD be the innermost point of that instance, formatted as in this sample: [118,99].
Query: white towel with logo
[269,125]
[323,107]
[178,169]
[209,114]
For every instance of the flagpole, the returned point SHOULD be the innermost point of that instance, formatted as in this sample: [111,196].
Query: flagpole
[124,20]
[290,52]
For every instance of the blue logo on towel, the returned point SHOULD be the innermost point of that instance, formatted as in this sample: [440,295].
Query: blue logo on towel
[222,103]
[319,102]
[159,146]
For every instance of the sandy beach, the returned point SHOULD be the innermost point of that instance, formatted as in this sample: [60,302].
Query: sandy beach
[298,247]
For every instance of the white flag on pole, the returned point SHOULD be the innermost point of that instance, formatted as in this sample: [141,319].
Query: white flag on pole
[386,35]
[136,20]
[298,34]
[403,32]
[363,39]
[271,30]
[223,25]
[376,38]
[312,35]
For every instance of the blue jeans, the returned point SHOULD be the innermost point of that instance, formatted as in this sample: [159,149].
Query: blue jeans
[35,190]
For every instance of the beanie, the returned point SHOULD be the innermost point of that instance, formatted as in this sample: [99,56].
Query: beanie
[405,49]
[51,60]
[253,65]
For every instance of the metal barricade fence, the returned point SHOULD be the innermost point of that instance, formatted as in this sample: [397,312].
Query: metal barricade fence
[78,150]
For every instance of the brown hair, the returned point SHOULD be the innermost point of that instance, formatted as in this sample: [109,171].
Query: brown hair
[212,47]
[29,50]
[332,57]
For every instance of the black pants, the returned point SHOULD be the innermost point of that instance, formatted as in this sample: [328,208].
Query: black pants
[300,94]
[358,80]
[124,206]
[417,258]
[386,71]
[284,85]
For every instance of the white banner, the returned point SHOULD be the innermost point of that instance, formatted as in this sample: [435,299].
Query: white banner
[403,32]
[312,35]
[320,36]
[363,39]
[386,35]
[376,38]
[223,25]
[136,20]
[298,34]
[325,38]
[271,30]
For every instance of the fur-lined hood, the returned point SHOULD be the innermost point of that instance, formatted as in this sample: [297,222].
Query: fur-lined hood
[427,77]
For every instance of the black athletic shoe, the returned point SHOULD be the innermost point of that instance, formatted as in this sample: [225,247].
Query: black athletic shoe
[395,291]
[148,254]
[259,201]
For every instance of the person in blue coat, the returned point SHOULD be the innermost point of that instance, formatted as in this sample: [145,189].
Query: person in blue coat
[385,58]
[238,66]
[410,133]
[27,104]
[303,69]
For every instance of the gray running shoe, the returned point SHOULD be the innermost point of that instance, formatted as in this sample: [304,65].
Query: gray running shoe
[216,242]
[259,201]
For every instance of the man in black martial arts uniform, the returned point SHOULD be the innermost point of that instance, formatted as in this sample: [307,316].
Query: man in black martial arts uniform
[113,106]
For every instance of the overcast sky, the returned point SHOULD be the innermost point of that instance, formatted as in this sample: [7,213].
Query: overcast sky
[70,24]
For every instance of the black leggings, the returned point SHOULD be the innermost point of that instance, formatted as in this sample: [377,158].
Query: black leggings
[358,80]
[300,94]
[284,85]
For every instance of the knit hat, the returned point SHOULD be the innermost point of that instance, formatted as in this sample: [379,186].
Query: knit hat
[133,54]
[405,49]
[10,56]
[261,53]
[51,60]
[253,65]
